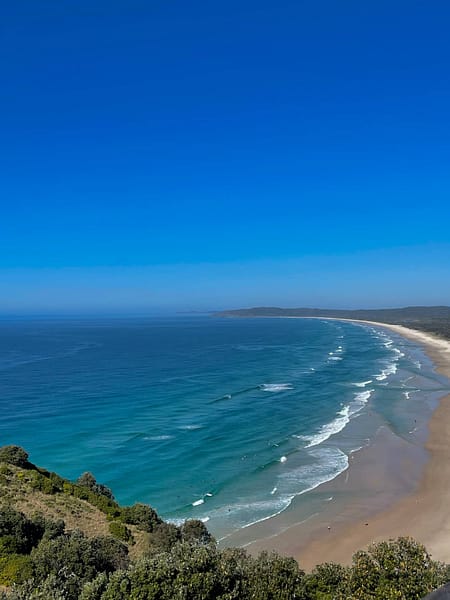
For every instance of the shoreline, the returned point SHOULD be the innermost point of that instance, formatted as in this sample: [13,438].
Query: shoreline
[401,501]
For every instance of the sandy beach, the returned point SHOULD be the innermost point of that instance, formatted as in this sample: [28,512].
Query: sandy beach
[393,509]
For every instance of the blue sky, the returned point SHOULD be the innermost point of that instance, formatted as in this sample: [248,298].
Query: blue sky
[200,155]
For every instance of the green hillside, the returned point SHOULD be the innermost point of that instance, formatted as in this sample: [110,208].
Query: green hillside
[435,319]
[63,540]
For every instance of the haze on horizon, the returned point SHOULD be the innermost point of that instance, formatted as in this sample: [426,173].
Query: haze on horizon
[200,156]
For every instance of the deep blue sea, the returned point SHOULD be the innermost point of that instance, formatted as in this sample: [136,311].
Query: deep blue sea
[226,420]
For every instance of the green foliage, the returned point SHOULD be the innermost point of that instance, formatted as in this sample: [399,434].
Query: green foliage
[17,533]
[327,582]
[141,515]
[103,503]
[64,586]
[88,480]
[120,531]
[51,529]
[42,483]
[14,455]
[80,555]
[273,577]
[186,573]
[93,590]
[56,479]
[83,558]
[15,568]
[195,531]
[205,573]
[68,488]
[164,537]
[400,569]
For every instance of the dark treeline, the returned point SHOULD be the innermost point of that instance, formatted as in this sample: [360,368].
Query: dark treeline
[435,319]
[41,559]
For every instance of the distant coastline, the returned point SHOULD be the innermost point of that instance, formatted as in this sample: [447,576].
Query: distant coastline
[434,319]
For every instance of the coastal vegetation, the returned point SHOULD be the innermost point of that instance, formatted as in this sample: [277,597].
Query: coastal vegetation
[434,319]
[73,541]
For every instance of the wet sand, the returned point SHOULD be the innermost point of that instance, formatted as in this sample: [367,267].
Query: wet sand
[390,489]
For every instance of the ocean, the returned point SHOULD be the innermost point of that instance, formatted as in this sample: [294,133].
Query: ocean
[224,420]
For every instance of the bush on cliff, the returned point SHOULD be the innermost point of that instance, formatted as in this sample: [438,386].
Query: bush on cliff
[88,480]
[14,455]
[400,569]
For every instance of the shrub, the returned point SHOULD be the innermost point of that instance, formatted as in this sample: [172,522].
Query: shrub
[68,488]
[164,537]
[79,555]
[64,586]
[15,568]
[93,590]
[88,480]
[14,455]
[51,529]
[43,484]
[120,531]
[18,533]
[141,515]
[400,569]
[274,577]
[195,531]
[327,582]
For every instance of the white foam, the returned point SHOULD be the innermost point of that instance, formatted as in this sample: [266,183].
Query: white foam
[335,358]
[361,399]
[204,519]
[330,463]
[275,387]
[198,502]
[190,427]
[175,521]
[343,418]
[363,383]
[329,429]
[389,370]
[399,352]
[157,438]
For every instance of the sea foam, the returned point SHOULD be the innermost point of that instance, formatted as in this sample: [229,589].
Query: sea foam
[275,387]
[363,383]
[338,424]
[390,369]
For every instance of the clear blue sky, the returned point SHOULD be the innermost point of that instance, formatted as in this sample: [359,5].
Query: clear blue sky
[197,155]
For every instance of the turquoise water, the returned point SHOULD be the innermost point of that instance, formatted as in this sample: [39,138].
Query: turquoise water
[226,420]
